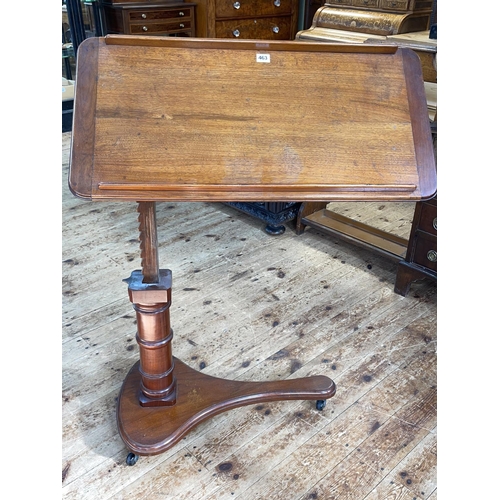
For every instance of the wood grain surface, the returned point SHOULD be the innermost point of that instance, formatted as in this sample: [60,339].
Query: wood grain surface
[199,120]
[249,306]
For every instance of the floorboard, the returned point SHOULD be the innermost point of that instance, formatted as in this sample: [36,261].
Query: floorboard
[250,306]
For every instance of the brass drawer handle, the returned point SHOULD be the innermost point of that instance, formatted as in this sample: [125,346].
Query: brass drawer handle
[181,25]
[144,28]
[181,13]
[236,5]
[435,223]
[432,255]
[144,16]
[236,33]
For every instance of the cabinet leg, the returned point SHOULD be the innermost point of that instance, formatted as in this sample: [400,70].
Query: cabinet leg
[407,274]
[307,208]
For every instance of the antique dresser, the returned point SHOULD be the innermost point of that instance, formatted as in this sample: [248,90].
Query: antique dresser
[256,19]
[353,19]
[153,17]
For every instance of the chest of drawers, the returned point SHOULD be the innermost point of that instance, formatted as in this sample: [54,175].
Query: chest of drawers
[421,256]
[150,18]
[248,19]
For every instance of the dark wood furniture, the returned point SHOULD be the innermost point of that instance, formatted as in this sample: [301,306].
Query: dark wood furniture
[348,18]
[327,221]
[219,140]
[156,17]
[249,19]
[421,256]
[275,214]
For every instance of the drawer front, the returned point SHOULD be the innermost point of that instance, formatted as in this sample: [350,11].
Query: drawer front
[153,28]
[425,253]
[423,5]
[340,2]
[267,28]
[251,8]
[394,4]
[158,15]
[428,219]
[365,3]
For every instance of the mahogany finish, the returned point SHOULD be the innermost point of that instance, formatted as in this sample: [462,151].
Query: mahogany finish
[161,119]
[361,109]
[421,256]
[160,17]
[247,19]
[149,431]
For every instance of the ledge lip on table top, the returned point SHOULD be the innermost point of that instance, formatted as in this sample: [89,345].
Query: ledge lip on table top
[83,181]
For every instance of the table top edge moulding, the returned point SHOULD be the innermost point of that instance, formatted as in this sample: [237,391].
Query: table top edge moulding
[410,176]
[180,119]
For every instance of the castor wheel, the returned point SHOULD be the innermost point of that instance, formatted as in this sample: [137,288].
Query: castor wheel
[320,404]
[132,458]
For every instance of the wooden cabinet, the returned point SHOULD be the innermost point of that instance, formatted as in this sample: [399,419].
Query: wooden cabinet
[368,17]
[249,19]
[421,255]
[150,18]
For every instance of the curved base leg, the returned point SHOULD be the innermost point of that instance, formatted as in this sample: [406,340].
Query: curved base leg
[149,431]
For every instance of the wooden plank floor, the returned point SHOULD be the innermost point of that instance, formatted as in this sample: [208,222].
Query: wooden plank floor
[250,306]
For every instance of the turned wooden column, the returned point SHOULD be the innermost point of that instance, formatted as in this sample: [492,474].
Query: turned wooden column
[154,336]
[150,291]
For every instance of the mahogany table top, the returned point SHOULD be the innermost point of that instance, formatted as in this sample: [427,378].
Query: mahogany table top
[187,119]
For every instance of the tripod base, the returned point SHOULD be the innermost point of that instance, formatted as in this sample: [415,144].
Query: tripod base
[152,430]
